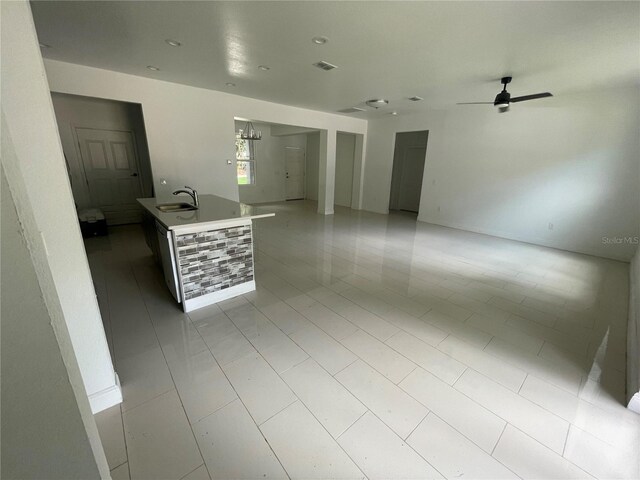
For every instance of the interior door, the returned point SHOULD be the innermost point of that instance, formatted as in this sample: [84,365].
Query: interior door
[412,171]
[294,173]
[111,170]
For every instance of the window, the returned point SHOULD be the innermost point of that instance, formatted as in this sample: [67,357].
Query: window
[245,162]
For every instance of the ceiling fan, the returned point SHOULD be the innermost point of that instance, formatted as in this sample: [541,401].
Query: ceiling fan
[503,99]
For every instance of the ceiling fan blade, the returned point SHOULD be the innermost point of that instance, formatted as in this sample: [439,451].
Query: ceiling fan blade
[524,98]
[475,103]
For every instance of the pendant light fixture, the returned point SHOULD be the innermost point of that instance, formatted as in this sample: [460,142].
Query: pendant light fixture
[250,133]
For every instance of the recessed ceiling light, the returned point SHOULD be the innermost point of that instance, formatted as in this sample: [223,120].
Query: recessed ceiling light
[230,84]
[44,45]
[264,68]
[173,43]
[393,113]
[320,40]
[151,67]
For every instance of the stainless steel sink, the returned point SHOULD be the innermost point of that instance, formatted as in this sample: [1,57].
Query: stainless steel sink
[176,207]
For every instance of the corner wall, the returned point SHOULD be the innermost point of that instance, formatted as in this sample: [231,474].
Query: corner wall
[562,172]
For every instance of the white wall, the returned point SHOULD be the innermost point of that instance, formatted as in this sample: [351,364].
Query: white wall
[52,338]
[279,130]
[312,165]
[345,152]
[269,164]
[188,128]
[38,177]
[571,161]
[42,427]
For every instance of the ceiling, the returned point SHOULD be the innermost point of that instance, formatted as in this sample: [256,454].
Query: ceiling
[445,52]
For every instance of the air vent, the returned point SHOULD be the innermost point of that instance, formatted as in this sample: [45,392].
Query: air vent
[325,65]
[351,110]
[416,99]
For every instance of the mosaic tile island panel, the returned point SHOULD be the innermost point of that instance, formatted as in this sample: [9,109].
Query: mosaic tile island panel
[214,260]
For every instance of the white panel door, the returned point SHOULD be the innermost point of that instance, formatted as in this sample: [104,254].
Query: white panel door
[112,174]
[412,171]
[294,173]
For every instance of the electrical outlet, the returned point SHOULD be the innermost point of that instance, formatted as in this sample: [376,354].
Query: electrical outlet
[551,226]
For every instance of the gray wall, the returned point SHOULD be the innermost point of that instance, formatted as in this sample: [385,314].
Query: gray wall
[77,111]
[313,165]
[633,336]
[43,435]
[345,151]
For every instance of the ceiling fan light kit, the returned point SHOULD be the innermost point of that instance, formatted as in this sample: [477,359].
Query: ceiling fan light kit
[503,99]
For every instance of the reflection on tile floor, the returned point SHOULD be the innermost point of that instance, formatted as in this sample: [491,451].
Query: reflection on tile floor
[374,347]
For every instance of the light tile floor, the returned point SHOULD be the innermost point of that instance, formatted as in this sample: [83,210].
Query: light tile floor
[374,347]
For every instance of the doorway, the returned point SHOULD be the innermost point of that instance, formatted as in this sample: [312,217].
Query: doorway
[408,169]
[294,173]
[345,155]
[105,146]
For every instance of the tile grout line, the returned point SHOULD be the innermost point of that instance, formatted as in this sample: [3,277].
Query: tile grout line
[109,301]
[240,398]
[193,434]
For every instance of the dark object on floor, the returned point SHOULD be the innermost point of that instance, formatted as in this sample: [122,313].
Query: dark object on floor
[92,222]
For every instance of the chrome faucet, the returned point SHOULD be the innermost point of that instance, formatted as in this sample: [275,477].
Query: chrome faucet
[192,193]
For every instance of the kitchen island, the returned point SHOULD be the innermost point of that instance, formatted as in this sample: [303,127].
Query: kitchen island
[206,253]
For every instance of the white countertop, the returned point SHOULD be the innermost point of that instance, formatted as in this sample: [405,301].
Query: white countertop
[212,210]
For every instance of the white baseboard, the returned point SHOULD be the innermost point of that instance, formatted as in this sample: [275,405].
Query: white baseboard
[220,295]
[106,398]
[634,403]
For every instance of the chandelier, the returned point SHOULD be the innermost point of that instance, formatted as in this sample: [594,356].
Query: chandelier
[250,133]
